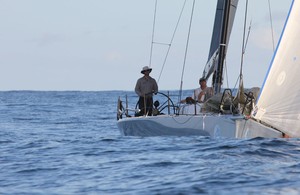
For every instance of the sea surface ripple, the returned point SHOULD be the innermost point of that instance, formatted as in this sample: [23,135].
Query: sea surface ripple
[68,143]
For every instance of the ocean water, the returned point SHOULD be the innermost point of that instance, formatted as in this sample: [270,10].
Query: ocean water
[68,143]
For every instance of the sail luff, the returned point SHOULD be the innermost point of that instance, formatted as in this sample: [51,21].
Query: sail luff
[279,102]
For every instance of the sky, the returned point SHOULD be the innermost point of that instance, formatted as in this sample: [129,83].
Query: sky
[96,45]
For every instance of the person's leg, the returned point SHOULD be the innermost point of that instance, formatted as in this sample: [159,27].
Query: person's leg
[149,105]
[142,106]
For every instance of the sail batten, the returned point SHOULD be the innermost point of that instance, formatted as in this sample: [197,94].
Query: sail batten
[278,104]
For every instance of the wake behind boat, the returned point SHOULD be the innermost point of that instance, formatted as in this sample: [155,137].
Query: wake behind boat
[223,115]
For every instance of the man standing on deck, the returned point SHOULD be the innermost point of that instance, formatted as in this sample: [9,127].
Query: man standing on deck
[145,87]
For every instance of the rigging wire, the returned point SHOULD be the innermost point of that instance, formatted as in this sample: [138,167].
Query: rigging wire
[175,30]
[186,50]
[271,23]
[244,44]
[153,29]
[160,43]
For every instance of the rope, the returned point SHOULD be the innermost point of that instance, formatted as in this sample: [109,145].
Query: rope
[189,117]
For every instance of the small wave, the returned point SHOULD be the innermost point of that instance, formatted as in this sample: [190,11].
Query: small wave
[295,167]
[6,141]
[266,153]
[162,164]
[105,118]
[108,140]
[274,142]
[24,119]
[65,122]
[16,105]
[33,170]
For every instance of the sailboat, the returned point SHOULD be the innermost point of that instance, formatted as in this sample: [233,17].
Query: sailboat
[276,112]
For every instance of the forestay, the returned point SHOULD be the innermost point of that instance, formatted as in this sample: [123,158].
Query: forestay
[279,101]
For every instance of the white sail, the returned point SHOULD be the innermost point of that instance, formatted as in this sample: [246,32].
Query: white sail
[279,103]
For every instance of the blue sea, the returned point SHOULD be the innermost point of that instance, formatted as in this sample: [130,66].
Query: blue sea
[67,142]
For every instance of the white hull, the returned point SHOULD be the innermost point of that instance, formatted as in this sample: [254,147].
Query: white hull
[189,125]
[250,128]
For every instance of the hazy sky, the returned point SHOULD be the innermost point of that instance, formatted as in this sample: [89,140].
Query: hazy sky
[103,44]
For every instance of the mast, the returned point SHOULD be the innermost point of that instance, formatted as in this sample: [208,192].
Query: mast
[224,18]
[218,77]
